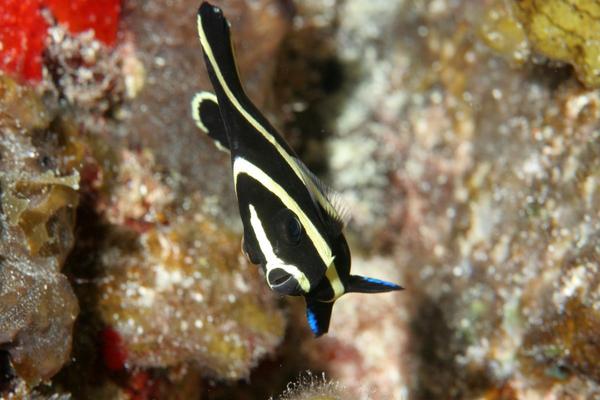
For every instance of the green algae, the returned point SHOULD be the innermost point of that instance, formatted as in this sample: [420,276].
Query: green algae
[31,201]
[565,30]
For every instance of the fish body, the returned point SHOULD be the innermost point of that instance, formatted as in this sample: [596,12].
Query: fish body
[292,228]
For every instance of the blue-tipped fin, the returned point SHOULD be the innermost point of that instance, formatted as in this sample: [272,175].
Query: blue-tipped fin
[318,315]
[206,114]
[362,284]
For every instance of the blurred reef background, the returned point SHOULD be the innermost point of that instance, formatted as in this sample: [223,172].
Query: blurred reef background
[464,136]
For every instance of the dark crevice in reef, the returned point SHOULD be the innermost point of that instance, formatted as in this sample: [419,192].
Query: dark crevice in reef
[551,74]
[84,270]
[6,371]
[308,81]
[437,375]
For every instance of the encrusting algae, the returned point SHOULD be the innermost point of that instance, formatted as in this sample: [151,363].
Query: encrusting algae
[38,199]
[565,30]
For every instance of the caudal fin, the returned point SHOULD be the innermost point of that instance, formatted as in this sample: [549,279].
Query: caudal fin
[362,284]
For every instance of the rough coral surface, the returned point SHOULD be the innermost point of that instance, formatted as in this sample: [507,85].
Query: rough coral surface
[37,203]
[474,167]
[182,293]
[469,163]
[175,301]
[567,30]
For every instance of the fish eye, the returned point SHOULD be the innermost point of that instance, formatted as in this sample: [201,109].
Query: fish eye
[292,228]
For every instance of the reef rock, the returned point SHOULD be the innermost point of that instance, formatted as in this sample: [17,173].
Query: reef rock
[37,201]
[566,30]
[474,166]
[183,294]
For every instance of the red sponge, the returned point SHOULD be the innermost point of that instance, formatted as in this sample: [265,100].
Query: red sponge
[80,15]
[23,29]
[22,33]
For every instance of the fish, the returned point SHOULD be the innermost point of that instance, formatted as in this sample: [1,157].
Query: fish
[293,227]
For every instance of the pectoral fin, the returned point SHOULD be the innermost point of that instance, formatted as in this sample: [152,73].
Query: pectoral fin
[318,315]
[362,284]
[206,114]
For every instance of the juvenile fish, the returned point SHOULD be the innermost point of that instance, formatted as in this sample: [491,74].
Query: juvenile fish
[291,227]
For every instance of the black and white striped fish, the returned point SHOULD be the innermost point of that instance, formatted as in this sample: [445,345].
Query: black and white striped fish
[291,228]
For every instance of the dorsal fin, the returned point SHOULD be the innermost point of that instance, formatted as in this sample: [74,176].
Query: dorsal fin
[330,202]
[206,114]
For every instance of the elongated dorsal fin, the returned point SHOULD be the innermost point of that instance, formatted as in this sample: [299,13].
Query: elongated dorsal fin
[206,114]
[362,284]
[318,315]
[330,202]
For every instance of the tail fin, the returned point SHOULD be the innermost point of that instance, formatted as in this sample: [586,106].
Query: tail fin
[362,284]
[318,315]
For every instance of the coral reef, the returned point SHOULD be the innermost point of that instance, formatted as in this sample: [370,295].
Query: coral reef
[475,171]
[464,144]
[85,72]
[185,298]
[182,293]
[38,198]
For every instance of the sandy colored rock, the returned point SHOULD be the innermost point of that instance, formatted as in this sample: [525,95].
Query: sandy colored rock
[183,294]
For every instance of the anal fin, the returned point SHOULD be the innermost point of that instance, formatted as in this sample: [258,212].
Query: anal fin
[318,315]
[206,114]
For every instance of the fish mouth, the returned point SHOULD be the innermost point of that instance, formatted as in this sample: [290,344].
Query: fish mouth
[283,282]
